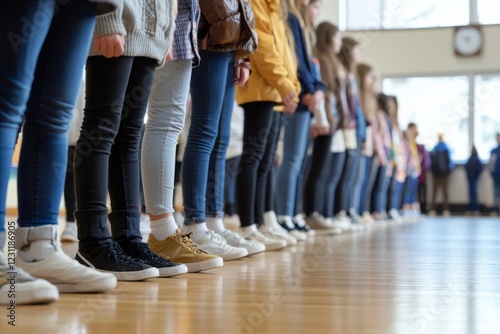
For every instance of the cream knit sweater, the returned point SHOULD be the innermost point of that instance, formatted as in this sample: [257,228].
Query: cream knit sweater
[147,25]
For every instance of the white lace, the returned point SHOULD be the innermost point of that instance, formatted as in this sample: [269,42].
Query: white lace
[215,237]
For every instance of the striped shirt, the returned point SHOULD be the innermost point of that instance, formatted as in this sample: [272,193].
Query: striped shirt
[185,44]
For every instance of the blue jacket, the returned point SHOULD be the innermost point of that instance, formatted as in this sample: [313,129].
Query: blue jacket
[473,168]
[307,72]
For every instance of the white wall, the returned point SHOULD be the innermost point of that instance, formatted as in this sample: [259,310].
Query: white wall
[430,52]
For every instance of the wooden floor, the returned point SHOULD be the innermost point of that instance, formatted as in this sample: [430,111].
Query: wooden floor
[436,276]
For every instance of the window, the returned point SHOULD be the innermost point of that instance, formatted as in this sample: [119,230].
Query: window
[487,11]
[435,104]
[425,13]
[410,14]
[487,113]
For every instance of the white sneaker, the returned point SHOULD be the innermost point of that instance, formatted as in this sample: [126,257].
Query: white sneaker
[446,213]
[367,218]
[432,213]
[394,214]
[235,240]
[289,235]
[67,274]
[301,223]
[335,225]
[26,288]
[213,243]
[344,222]
[70,233]
[288,226]
[271,244]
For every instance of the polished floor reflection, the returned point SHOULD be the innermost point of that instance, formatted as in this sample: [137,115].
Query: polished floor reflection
[436,276]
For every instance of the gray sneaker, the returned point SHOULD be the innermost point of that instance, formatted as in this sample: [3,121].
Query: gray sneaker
[321,227]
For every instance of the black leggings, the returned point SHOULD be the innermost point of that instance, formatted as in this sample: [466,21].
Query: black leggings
[106,158]
[316,184]
[336,166]
[270,179]
[346,186]
[254,165]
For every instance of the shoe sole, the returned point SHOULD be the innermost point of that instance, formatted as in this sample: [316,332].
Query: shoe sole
[173,271]
[256,251]
[205,265]
[276,246]
[68,238]
[134,275]
[98,285]
[32,293]
[328,231]
[234,256]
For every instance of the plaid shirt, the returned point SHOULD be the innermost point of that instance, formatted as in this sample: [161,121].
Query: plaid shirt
[185,44]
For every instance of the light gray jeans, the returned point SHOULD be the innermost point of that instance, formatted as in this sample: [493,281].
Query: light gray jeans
[166,112]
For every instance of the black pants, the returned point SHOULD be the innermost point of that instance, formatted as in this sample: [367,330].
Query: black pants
[254,165]
[269,202]
[69,187]
[316,183]
[232,167]
[106,158]
[422,196]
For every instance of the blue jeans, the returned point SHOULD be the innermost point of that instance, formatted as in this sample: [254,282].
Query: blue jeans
[365,186]
[358,184]
[336,165]
[40,72]
[473,201]
[346,185]
[204,162]
[396,193]
[411,190]
[297,127]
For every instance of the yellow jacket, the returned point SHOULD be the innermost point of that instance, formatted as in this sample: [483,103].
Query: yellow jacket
[274,68]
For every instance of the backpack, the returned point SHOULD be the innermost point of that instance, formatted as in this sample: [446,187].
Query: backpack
[440,163]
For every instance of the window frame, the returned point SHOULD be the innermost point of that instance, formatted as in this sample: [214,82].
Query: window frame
[343,11]
[471,99]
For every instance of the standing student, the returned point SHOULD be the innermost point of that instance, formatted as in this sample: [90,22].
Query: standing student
[318,188]
[39,80]
[441,167]
[381,144]
[350,56]
[226,38]
[273,84]
[411,206]
[473,168]
[166,115]
[128,46]
[398,160]
[494,167]
[425,164]
[297,126]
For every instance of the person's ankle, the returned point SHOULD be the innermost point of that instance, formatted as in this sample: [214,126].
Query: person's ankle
[36,243]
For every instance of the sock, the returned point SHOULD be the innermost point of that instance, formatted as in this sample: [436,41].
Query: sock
[163,228]
[198,229]
[35,244]
[247,230]
[215,224]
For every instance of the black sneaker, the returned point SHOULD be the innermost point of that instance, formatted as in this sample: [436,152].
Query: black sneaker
[112,259]
[141,251]
[301,225]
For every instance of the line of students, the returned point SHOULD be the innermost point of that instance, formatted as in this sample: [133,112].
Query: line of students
[139,64]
